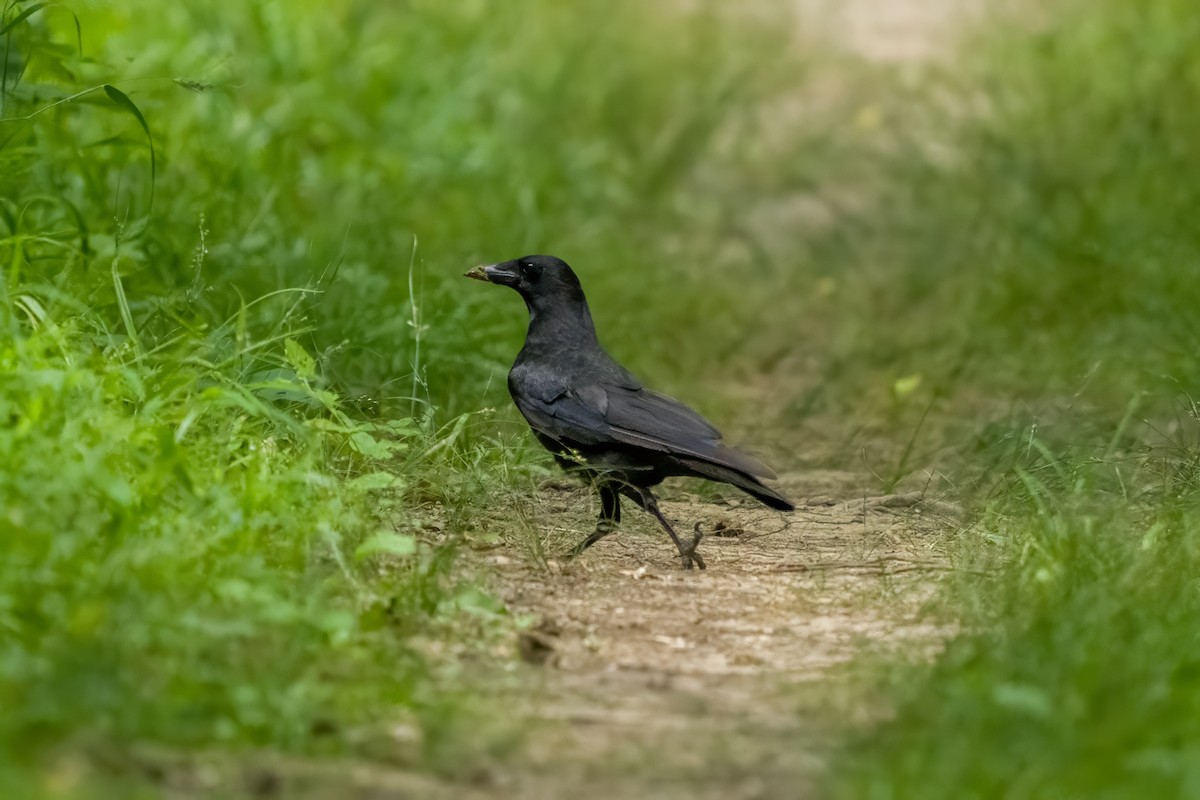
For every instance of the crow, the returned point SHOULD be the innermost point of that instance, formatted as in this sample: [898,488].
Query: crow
[597,419]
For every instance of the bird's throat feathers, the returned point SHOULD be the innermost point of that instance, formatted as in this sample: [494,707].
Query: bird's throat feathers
[559,319]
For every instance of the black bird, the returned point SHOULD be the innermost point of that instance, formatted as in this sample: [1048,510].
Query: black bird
[597,419]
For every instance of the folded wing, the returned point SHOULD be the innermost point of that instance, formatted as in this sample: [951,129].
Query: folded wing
[599,414]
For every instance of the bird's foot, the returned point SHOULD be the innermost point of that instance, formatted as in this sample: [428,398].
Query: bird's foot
[603,528]
[688,554]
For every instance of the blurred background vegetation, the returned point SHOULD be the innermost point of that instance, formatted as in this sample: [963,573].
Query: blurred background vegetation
[1041,210]
[242,384]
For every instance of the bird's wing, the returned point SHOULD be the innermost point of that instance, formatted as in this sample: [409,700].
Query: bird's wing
[608,414]
[657,422]
[564,416]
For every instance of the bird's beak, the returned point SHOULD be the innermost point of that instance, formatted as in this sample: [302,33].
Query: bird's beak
[503,273]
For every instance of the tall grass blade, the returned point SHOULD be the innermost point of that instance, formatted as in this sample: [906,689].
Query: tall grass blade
[122,100]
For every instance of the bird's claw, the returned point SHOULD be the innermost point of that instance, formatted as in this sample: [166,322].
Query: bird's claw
[603,528]
[688,552]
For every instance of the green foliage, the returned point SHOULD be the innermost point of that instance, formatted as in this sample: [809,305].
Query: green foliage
[1079,671]
[1045,241]
[291,162]
[1027,224]
[177,552]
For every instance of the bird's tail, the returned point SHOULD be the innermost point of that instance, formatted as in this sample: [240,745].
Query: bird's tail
[747,483]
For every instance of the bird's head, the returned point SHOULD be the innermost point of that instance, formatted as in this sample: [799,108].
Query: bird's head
[535,277]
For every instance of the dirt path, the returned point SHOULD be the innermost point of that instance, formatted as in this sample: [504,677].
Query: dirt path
[706,684]
[650,681]
[892,31]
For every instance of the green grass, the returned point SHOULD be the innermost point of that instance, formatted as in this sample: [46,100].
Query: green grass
[1042,281]
[1077,673]
[1036,207]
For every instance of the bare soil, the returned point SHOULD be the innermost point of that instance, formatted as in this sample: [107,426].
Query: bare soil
[891,31]
[647,679]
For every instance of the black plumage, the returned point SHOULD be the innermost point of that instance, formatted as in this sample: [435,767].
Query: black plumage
[597,419]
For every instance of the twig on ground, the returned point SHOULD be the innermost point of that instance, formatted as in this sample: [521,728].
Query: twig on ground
[880,565]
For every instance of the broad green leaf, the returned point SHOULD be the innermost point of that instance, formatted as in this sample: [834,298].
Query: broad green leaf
[387,543]
[369,446]
[299,359]
[376,480]
[476,601]
[329,426]
[1024,699]
[905,386]
[405,426]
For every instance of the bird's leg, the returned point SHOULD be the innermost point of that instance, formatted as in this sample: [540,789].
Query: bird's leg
[687,552]
[610,517]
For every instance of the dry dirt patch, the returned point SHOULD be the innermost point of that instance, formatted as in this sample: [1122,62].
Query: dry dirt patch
[892,31]
[703,684]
